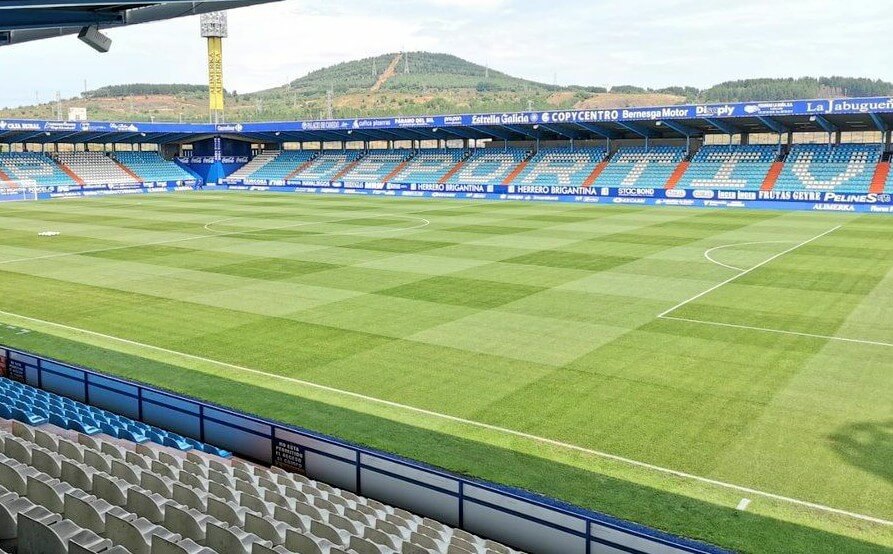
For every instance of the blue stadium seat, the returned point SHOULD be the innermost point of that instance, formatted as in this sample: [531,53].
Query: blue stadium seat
[489,166]
[377,165]
[150,166]
[841,168]
[328,164]
[730,167]
[29,168]
[37,407]
[283,165]
[561,166]
[639,166]
[430,165]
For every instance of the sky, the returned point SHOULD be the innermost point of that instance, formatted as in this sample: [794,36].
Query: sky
[651,43]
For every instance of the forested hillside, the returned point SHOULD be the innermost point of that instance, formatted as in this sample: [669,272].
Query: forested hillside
[417,83]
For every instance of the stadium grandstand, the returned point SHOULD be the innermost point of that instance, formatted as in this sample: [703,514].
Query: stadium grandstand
[87,475]
[450,334]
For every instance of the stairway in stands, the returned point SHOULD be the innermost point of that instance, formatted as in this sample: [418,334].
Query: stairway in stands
[255,164]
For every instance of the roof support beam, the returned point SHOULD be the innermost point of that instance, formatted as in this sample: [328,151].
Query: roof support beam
[726,128]
[637,129]
[563,132]
[522,130]
[45,18]
[683,130]
[31,136]
[824,124]
[881,125]
[456,132]
[492,133]
[774,125]
[603,132]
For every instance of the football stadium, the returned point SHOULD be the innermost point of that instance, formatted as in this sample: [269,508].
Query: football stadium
[635,330]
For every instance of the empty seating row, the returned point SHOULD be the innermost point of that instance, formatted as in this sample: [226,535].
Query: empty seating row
[561,166]
[730,167]
[74,493]
[95,168]
[37,407]
[639,166]
[430,165]
[843,168]
[150,166]
[489,166]
[283,165]
[328,165]
[377,165]
[33,168]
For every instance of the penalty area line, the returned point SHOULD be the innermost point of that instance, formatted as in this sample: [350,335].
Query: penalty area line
[665,315]
[747,271]
[780,331]
[467,422]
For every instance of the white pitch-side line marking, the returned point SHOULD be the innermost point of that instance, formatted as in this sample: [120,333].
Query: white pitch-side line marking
[747,271]
[745,502]
[781,331]
[424,222]
[468,422]
[724,246]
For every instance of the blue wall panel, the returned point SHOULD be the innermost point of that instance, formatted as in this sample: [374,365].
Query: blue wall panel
[165,411]
[63,380]
[114,396]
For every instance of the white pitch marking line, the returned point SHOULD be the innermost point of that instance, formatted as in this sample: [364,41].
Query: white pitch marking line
[745,502]
[724,246]
[746,271]
[781,331]
[424,221]
[469,422]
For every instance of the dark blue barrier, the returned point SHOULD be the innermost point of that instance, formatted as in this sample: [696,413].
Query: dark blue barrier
[804,200]
[515,517]
[698,198]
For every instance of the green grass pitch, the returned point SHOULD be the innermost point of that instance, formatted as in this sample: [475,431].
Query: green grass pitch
[516,342]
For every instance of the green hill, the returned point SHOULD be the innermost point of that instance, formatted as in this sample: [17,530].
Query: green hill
[417,83]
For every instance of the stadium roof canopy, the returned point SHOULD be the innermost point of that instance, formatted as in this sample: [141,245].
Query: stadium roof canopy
[685,121]
[27,20]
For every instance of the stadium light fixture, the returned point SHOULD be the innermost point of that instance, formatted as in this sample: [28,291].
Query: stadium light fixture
[94,39]
[659,123]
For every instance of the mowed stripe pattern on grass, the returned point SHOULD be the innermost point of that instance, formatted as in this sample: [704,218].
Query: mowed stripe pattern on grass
[539,318]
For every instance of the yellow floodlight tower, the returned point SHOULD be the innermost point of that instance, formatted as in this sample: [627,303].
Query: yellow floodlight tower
[215,30]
